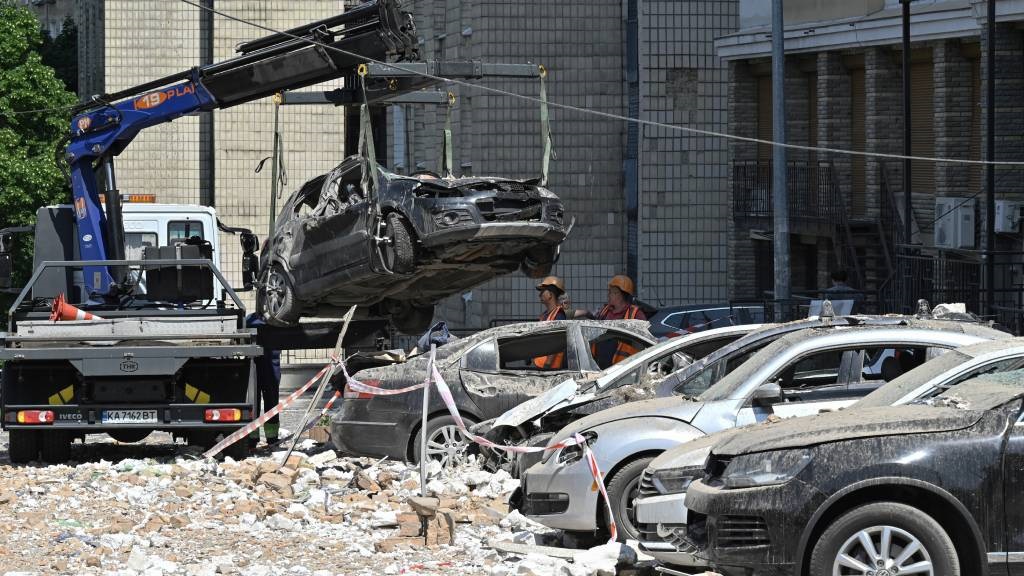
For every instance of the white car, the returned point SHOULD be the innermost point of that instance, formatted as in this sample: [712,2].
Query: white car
[660,505]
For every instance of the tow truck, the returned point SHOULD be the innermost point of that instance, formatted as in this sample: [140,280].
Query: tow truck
[157,338]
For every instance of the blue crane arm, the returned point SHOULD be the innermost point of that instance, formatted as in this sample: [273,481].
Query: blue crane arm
[104,127]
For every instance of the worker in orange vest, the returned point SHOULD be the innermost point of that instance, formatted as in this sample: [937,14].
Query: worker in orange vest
[550,291]
[621,292]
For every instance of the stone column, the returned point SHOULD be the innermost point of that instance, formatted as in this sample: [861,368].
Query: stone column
[883,108]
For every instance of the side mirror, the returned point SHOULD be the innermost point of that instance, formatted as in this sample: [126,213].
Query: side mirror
[768,391]
[250,261]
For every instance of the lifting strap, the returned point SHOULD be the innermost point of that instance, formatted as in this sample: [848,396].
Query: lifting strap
[366,149]
[545,129]
[446,143]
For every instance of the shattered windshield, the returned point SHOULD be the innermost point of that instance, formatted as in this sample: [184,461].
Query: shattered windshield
[905,384]
[980,393]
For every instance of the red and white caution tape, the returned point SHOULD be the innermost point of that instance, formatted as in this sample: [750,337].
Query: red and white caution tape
[244,431]
[576,440]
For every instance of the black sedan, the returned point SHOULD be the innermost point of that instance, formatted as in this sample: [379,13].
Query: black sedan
[414,241]
[488,373]
[935,488]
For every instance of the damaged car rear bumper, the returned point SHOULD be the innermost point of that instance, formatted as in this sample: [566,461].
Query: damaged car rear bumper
[538,231]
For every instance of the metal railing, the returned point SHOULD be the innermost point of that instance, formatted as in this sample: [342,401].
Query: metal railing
[812,191]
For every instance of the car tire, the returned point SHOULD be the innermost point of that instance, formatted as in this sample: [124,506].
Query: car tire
[538,261]
[413,320]
[23,446]
[623,487]
[399,254]
[905,524]
[277,298]
[442,429]
[54,446]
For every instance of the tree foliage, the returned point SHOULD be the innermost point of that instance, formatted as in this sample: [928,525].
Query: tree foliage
[29,177]
[61,54]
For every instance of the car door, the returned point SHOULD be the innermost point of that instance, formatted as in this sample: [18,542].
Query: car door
[1009,559]
[501,373]
[824,380]
[336,235]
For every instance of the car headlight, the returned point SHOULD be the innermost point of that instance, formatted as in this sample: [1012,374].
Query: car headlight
[573,454]
[674,480]
[765,469]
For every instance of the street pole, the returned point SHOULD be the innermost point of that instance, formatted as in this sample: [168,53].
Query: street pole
[908,205]
[780,196]
[990,155]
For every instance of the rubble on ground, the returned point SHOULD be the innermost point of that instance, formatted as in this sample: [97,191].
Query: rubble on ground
[318,515]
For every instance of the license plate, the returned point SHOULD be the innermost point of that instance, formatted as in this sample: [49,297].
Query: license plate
[128,417]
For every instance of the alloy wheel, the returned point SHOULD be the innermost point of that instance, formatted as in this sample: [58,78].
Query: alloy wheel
[882,551]
[275,291]
[447,445]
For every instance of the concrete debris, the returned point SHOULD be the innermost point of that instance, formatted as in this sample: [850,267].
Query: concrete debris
[322,514]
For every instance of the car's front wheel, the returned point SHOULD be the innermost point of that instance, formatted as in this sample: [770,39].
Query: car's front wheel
[623,488]
[277,298]
[538,261]
[398,252]
[885,539]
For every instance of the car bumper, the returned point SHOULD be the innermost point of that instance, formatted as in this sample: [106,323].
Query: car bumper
[560,496]
[750,530]
[356,430]
[661,521]
[538,231]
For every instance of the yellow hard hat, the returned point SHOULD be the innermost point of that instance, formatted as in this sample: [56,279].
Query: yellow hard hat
[623,283]
[552,282]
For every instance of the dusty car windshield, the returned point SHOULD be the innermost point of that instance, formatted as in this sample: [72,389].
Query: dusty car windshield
[887,395]
[983,392]
[725,387]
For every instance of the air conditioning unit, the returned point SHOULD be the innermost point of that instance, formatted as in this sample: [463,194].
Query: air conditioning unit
[954,222]
[1007,216]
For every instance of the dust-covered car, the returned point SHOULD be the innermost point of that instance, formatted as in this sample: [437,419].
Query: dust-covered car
[488,373]
[797,375]
[930,488]
[403,247]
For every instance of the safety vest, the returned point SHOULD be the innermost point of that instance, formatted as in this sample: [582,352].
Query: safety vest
[554,361]
[624,349]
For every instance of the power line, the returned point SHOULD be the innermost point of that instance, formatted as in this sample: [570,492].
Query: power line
[610,115]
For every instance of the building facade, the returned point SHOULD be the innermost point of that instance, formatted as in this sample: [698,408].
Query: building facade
[844,90]
[648,200]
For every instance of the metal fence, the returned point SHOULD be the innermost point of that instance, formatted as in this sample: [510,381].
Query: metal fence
[812,192]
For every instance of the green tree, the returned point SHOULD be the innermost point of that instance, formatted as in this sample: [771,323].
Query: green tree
[29,177]
[61,53]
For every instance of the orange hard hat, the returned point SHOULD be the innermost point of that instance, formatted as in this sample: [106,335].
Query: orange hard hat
[552,282]
[622,282]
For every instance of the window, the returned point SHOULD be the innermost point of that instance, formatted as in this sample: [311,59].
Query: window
[481,358]
[546,351]
[135,242]
[181,230]
[821,369]
[607,347]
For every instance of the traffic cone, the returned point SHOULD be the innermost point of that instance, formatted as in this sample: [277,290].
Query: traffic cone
[61,310]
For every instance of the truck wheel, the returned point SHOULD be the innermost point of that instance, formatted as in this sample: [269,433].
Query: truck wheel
[623,488]
[413,319]
[55,446]
[239,450]
[23,446]
[277,302]
[399,255]
[885,534]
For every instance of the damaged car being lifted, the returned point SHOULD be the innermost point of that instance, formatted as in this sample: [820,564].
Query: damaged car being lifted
[364,235]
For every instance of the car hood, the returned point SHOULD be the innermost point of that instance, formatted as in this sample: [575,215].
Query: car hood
[674,408]
[561,396]
[846,425]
